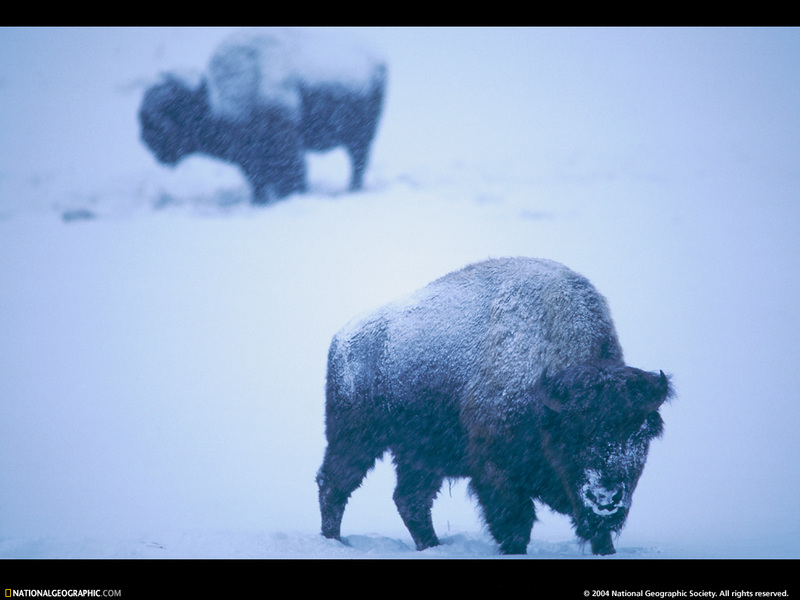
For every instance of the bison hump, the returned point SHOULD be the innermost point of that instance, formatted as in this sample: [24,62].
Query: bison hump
[268,67]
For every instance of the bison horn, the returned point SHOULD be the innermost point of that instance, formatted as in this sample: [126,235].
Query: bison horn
[661,393]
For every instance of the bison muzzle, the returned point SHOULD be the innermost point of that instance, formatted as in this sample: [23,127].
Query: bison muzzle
[507,372]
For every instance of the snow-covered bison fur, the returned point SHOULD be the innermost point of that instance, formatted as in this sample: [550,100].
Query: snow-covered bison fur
[507,372]
[268,97]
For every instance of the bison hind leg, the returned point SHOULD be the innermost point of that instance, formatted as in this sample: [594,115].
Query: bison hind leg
[358,161]
[414,495]
[341,473]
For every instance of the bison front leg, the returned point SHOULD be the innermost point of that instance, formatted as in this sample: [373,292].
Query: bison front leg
[272,157]
[602,544]
[342,471]
[414,496]
[509,513]
[272,181]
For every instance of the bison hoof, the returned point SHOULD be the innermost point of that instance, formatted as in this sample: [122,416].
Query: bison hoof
[603,545]
[427,544]
[338,538]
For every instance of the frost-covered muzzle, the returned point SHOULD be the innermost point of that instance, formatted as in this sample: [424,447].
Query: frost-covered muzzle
[602,500]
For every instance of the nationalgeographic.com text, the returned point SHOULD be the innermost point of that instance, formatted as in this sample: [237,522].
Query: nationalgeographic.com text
[57,593]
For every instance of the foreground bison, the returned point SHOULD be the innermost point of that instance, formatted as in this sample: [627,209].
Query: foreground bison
[267,98]
[507,372]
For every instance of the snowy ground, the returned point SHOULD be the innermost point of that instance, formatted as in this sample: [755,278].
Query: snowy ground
[163,344]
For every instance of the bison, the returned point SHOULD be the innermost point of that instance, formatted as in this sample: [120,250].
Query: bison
[507,372]
[267,98]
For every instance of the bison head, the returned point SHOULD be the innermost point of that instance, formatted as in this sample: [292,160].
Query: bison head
[170,117]
[597,427]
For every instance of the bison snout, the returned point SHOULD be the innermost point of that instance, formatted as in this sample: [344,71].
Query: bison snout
[603,500]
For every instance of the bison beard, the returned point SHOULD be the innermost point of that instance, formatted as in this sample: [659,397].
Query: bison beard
[507,372]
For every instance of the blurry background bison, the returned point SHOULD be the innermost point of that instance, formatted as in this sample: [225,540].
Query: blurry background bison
[508,372]
[268,97]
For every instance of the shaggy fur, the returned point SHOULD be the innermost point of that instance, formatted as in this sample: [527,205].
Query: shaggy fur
[507,372]
[267,98]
